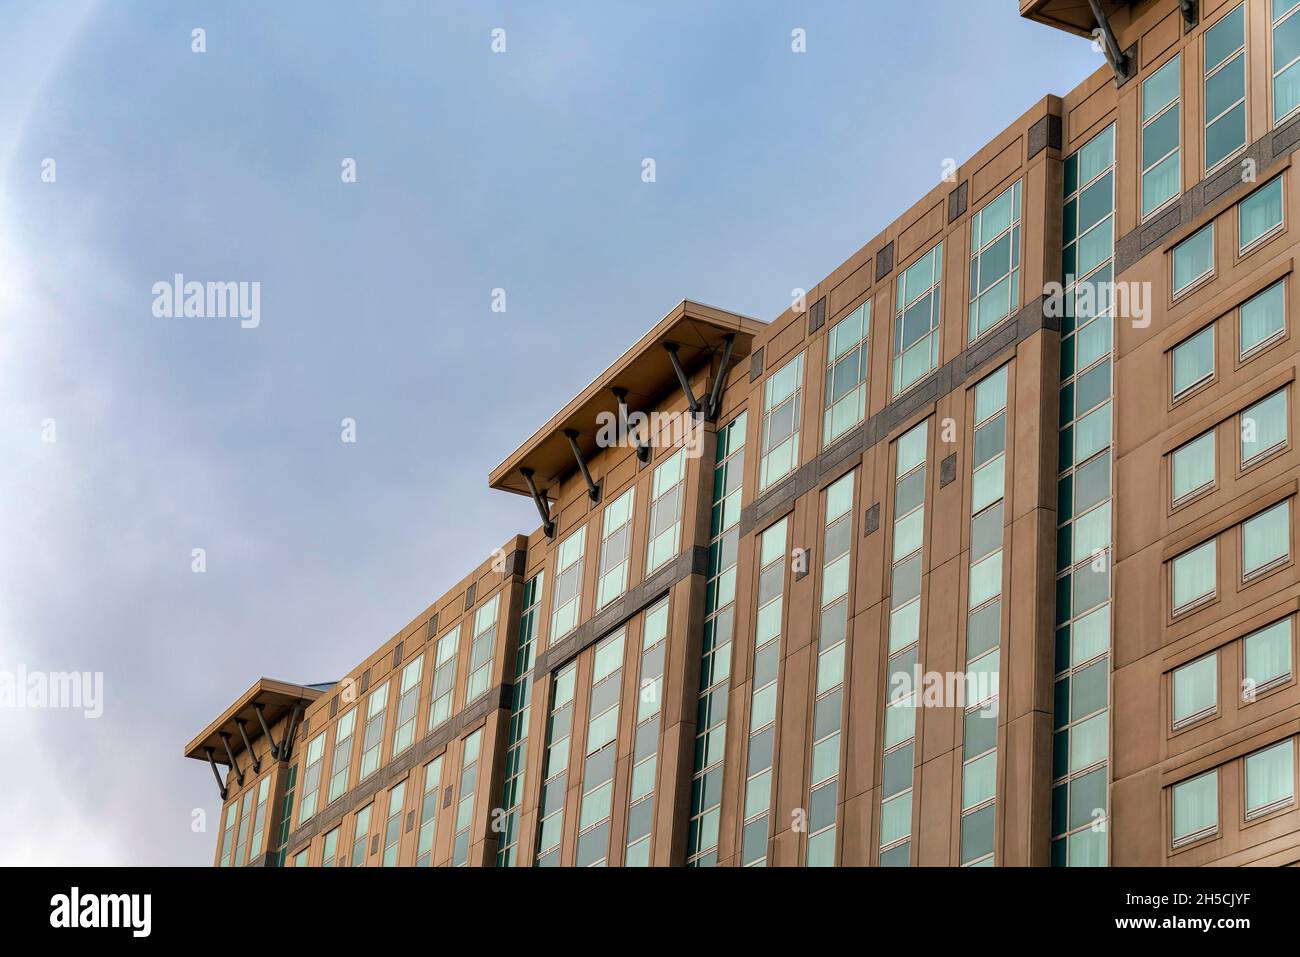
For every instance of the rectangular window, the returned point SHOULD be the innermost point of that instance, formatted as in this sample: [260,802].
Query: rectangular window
[300,859]
[408,702]
[360,835]
[429,813]
[559,729]
[342,757]
[1266,540]
[995,262]
[615,548]
[599,757]
[1193,259]
[1270,779]
[1194,576]
[444,677]
[521,699]
[460,846]
[228,834]
[1161,168]
[846,373]
[330,852]
[1196,690]
[1263,317]
[1193,467]
[372,740]
[916,320]
[645,738]
[666,491]
[311,778]
[1259,215]
[1286,59]
[1267,655]
[1196,808]
[393,826]
[481,648]
[245,828]
[782,407]
[1225,87]
[567,597]
[1263,428]
[1193,362]
[259,818]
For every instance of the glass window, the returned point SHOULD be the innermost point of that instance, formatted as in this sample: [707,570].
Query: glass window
[1196,690]
[1160,136]
[360,834]
[342,757]
[429,813]
[1196,808]
[1193,467]
[1194,575]
[995,262]
[1194,258]
[566,599]
[444,677]
[846,373]
[481,648]
[372,741]
[460,846]
[782,407]
[669,485]
[1267,658]
[311,778]
[1193,361]
[1266,540]
[1225,87]
[1263,427]
[916,320]
[408,700]
[615,539]
[1263,318]
[331,849]
[393,825]
[1270,779]
[1286,54]
[1260,214]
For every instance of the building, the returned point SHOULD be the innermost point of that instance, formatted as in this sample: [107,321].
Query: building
[981,554]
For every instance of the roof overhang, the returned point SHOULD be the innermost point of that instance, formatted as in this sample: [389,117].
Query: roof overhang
[276,698]
[645,371]
[1073,16]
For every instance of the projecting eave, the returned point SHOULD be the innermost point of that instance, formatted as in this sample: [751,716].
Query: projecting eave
[1073,16]
[696,331]
[274,699]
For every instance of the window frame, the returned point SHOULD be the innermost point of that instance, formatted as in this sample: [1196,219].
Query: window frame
[1200,279]
[1245,355]
[795,398]
[1204,714]
[1277,681]
[1178,501]
[1273,564]
[1174,104]
[1245,464]
[1244,102]
[1251,815]
[1275,72]
[1243,248]
[862,346]
[606,536]
[1015,237]
[901,306]
[1206,833]
[1199,601]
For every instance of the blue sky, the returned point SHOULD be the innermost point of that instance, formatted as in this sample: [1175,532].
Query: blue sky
[475,171]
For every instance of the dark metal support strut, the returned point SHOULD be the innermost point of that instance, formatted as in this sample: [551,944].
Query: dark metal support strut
[261,719]
[243,733]
[1189,11]
[543,509]
[642,447]
[293,723]
[221,785]
[593,490]
[715,396]
[239,775]
[1110,46]
[671,349]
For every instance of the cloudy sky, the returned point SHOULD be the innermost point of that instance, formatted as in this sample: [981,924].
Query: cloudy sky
[131,440]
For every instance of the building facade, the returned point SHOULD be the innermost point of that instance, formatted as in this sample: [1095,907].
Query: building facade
[982,553]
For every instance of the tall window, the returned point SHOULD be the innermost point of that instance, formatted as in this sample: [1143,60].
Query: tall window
[444,677]
[408,701]
[360,835]
[602,746]
[481,648]
[559,729]
[429,813]
[768,625]
[1263,317]
[330,851]
[615,548]
[1270,779]
[995,262]
[516,760]
[393,825]
[259,818]
[568,585]
[828,706]
[1161,126]
[1196,808]
[846,373]
[228,832]
[782,406]
[904,646]
[1286,55]
[666,510]
[311,778]
[1225,87]
[916,320]
[286,818]
[342,758]
[1267,655]
[470,754]
[715,649]
[372,740]
[245,827]
[1263,428]
[645,739]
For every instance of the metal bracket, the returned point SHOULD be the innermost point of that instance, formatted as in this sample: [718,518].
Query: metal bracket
[543,509]
[671,349]
[593,490]
[239,775]
[1119,62]
[288,735]
[715,396]
[257,765]
[261,719]
[1189,11]
[642,447]
[221,785]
